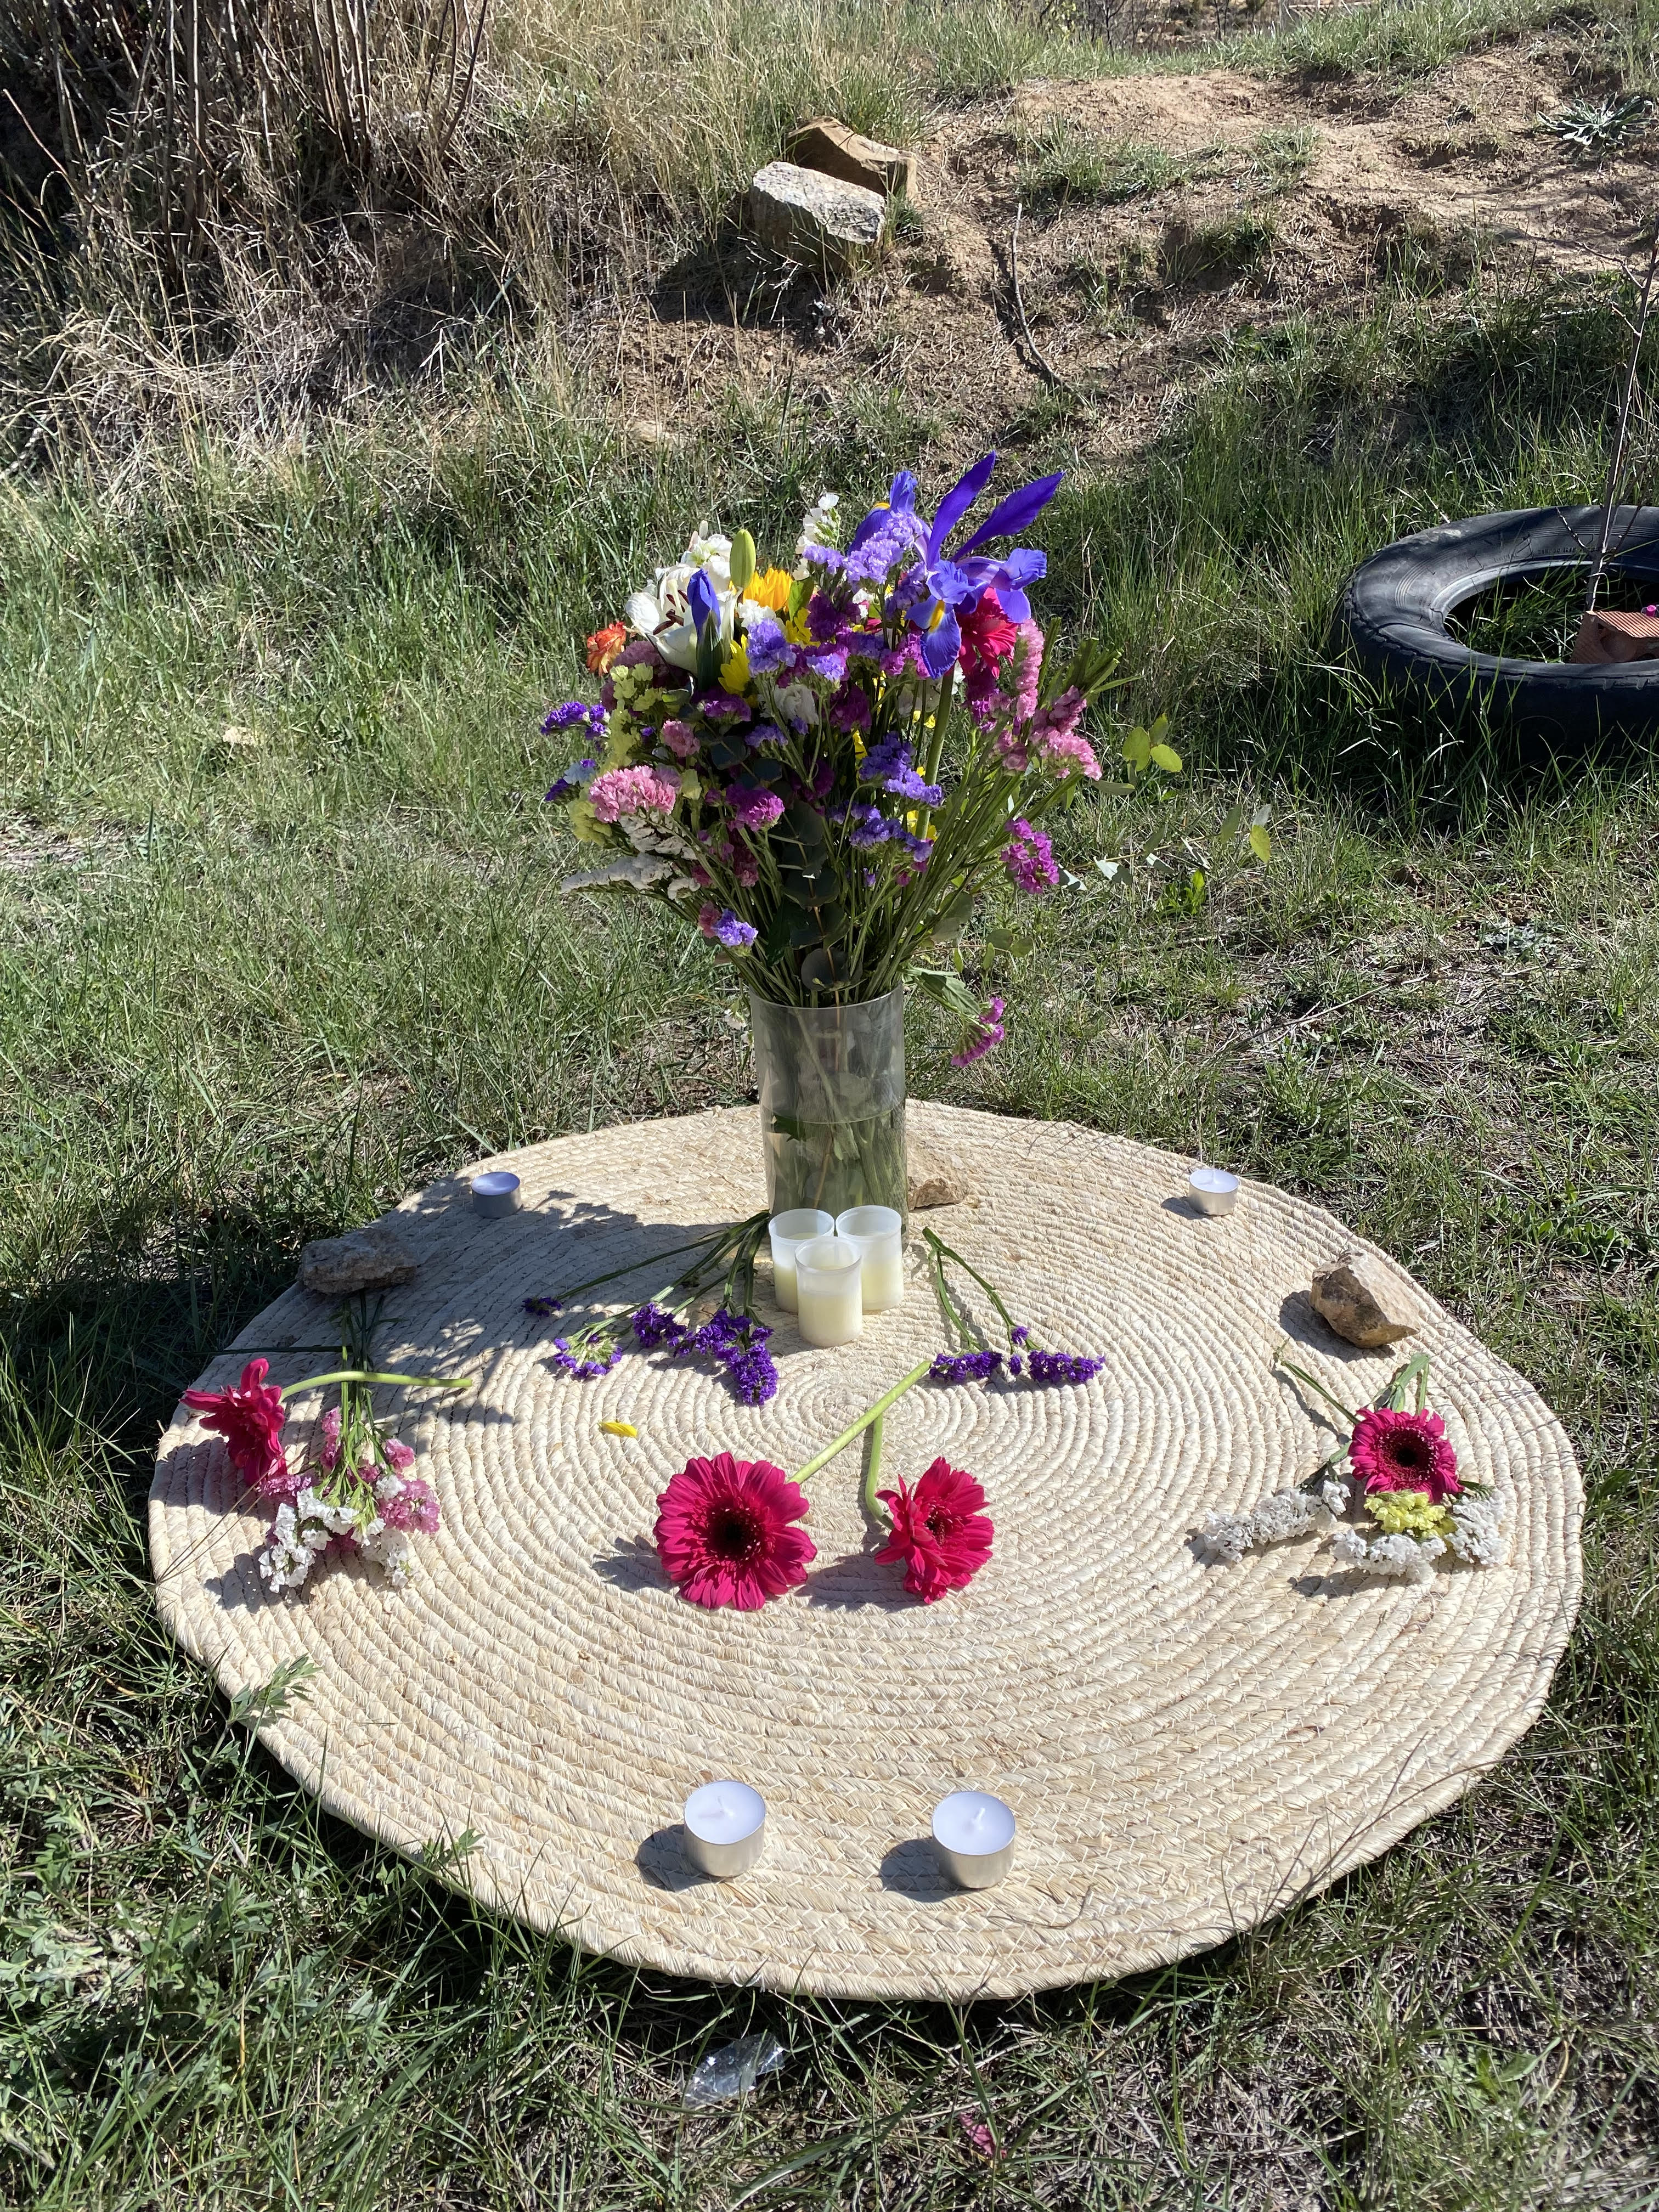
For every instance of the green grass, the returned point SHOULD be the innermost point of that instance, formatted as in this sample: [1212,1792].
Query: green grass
[248,994]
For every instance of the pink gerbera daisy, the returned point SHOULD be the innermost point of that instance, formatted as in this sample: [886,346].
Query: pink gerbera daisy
[1404,1451]
[724,1535]
[249,1416]
[939,1531]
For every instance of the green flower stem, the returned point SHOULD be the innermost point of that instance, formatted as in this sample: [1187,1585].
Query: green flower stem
[942,1251]
[719,1237]
[873,1413]
[1314,1385]
[363,1375]
[872,1469]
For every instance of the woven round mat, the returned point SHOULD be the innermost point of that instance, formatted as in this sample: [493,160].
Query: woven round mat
[1189,1749]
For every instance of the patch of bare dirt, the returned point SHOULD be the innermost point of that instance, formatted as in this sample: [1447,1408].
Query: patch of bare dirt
[1162,214]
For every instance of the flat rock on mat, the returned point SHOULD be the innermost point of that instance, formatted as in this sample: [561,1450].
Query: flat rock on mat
[1187,1749]
[377,1257]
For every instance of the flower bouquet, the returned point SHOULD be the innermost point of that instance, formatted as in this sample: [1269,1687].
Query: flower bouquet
[820,766]
[1402,1474]
[353,1492]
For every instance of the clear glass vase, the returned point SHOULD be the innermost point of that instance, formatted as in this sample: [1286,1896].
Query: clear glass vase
[832,1103]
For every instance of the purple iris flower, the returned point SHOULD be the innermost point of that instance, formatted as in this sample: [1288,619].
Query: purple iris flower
[929,596]
[702,601]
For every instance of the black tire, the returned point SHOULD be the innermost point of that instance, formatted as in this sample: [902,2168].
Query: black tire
[1394,613]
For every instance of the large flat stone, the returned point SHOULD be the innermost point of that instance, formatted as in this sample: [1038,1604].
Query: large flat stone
[814,219]
[830,147]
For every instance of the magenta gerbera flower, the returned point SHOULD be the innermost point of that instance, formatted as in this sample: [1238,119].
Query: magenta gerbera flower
[1404,1451]
[724,1535]
[249,1416]
[939,1530]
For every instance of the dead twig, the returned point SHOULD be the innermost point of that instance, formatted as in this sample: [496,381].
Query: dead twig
[1046,366]
[1616,466]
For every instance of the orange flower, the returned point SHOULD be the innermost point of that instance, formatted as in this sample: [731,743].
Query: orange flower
[603,647]
[769,588]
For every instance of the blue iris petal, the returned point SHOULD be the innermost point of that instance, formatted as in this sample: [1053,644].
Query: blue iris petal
[1019,508]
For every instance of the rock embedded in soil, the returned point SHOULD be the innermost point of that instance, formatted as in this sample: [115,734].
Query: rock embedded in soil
[1363,1302]
[377,1257]
[829,147]
[815,220]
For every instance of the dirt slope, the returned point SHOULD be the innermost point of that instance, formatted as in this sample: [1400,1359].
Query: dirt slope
[1260,199]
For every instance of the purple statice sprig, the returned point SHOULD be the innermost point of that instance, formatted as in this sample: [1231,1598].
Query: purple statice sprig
[735,1341]
[979,1361]
[731,1336]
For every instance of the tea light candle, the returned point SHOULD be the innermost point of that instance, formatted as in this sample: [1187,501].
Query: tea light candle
[878,1233]
[975,1837]
[725,1828]
[829,1274]
[788,1232]
[1212,1190]
[496,1193]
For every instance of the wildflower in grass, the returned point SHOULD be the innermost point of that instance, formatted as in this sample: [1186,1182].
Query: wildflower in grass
[725,1532]
[940,1531]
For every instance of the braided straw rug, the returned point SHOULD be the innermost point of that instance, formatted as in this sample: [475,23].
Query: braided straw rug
[1189,1749]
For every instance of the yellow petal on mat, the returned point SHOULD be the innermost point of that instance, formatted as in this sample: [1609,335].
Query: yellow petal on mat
[617,1429]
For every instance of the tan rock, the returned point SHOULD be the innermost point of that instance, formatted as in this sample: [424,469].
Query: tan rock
[1363,1302]
[376,1257]
[934,1180]
[831,147]
[815,220]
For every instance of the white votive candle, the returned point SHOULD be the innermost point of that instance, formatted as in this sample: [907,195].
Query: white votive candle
[878,1233]
[788,1232]
[975,1837]
[1212,1190]
[725,1827]
[829,1274]
[496,1193]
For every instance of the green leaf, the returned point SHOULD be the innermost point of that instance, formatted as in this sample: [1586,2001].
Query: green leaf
[947,989]
[1261,843]
[1138,750]
[1166,756]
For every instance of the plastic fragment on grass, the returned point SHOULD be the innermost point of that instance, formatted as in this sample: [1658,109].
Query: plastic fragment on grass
[733,2070]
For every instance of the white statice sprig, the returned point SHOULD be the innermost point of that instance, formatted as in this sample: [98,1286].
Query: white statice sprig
[1421,1516]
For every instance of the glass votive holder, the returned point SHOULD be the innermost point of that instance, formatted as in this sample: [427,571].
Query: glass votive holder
[788,1232]
[725,1828]
[973,1836]
[828,1291]
[1212,1190]
[878,1233]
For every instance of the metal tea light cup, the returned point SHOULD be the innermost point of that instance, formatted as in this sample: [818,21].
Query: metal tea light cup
[973,1836]
[725,1828]
[1212,1190]
[496,1193]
